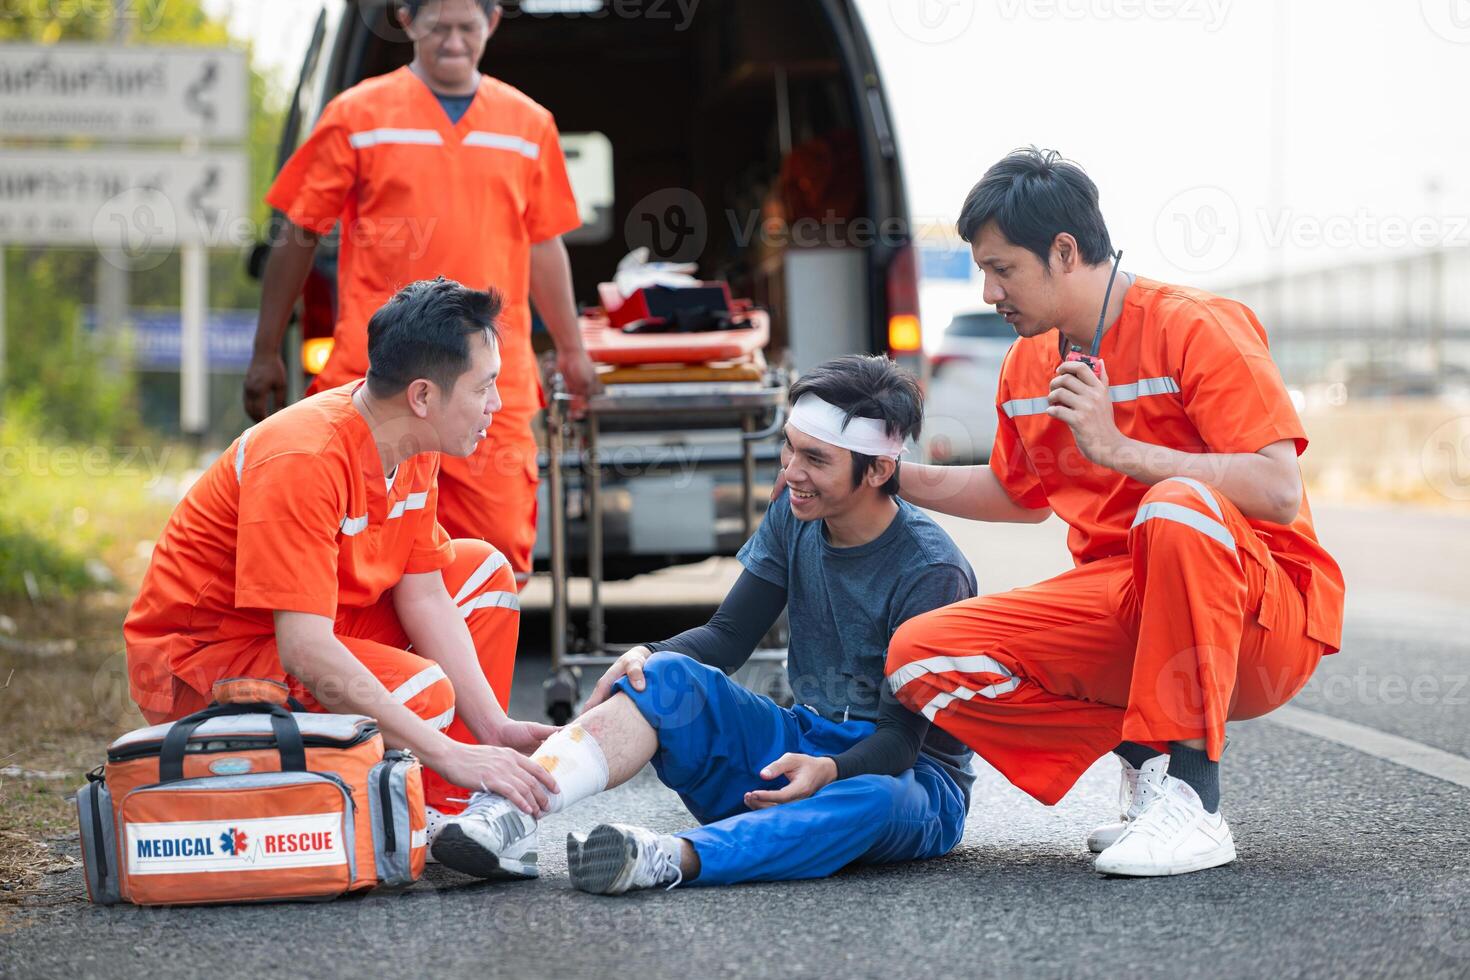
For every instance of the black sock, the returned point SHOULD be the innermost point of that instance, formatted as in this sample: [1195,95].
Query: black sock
[1195,768]
[1134,754]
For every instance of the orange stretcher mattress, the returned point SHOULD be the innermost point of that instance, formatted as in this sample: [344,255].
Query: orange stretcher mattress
[751,369]
[609,345]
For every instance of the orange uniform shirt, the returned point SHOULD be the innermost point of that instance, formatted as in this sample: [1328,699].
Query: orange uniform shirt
[296,515]
[1189,371]
[419,197]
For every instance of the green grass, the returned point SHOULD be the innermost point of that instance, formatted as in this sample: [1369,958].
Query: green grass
[72,517]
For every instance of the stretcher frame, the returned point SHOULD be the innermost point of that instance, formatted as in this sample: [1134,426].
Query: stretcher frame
[716,404]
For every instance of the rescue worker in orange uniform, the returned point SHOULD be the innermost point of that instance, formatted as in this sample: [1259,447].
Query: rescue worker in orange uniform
[310,553]
[436,169]
[1200,592]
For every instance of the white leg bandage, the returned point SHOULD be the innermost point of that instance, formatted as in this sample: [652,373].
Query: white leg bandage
[576,762]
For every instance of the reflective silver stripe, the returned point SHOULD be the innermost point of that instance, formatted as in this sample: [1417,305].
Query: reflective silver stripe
[443,721]
[1203,492]
[491,600]
[1142,387]
[354,525]
[977,664]
[503,141]
[1189,518]
[418,684]
[383,137]
[414,501]
[944,700]
[240,453]
[1116,393]
[1025,406]
[480,576]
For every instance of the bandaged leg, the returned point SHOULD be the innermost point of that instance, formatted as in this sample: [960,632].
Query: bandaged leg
[493,837]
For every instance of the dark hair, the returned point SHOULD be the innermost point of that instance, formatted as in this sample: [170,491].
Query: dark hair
[414,6]
[424,332]
[1034,195]
[870,387]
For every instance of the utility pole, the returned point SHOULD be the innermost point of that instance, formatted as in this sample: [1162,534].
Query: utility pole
[113,297]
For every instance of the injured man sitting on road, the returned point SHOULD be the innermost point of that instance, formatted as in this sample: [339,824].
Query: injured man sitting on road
[848,775]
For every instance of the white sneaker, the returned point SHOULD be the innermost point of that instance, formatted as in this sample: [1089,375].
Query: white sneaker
[1173,835]
[490,839]
[435,823]
[1136,789]
[615,858]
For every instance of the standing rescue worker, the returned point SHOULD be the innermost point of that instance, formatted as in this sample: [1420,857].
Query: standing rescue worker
[1200,592]
[436,169]
[310,554]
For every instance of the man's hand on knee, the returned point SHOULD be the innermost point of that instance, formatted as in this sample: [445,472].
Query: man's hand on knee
[629,665]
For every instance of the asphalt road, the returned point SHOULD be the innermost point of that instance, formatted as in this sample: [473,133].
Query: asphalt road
[1350,864]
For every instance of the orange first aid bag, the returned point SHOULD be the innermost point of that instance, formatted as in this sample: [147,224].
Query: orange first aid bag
[247,801]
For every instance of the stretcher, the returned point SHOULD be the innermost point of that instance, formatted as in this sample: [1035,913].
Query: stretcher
[606,344]
[755,410]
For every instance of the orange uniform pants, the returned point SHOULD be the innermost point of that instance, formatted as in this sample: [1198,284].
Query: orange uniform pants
[491,495]
[1196,625]
[483,587]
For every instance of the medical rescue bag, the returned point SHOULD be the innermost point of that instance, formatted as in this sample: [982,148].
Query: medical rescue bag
[247,801]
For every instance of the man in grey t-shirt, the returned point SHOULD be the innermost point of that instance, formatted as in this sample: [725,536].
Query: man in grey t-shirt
[849,774]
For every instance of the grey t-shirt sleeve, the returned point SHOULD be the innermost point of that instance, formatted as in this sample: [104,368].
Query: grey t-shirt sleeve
[895,742]
[767,554]
[732,634]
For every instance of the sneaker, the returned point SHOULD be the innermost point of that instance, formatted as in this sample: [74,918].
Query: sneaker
[1173,835]
[1137,787]
[490,839]
[435,823]
[615,858]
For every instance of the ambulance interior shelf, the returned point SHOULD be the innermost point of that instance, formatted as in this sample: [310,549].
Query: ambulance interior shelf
[756,408]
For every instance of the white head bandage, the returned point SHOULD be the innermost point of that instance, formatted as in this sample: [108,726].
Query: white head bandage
[823,420]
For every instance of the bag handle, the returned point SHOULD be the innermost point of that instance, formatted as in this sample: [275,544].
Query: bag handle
[287,735]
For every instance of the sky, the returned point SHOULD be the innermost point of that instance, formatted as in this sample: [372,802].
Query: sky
[1230,139]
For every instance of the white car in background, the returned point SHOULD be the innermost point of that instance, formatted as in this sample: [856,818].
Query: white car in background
[959,410]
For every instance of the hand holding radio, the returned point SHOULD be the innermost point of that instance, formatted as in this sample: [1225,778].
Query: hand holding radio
[1079,397]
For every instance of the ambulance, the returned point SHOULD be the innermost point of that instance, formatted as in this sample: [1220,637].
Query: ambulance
[753,137]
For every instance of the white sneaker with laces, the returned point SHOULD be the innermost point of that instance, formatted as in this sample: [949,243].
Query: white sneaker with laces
[614,858]
[1173,835]
[1135,790]
[490,839]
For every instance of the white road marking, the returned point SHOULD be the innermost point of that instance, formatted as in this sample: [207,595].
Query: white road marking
[1393,748]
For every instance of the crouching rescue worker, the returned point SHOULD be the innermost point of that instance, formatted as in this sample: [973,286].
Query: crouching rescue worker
[309,553]
[1200,594]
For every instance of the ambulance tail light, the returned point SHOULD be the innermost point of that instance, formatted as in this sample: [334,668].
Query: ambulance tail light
[314,354]
[905,333]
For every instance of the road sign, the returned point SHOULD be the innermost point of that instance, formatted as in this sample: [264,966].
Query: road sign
[953,264]
[132,201]
[158,338]
[112,92]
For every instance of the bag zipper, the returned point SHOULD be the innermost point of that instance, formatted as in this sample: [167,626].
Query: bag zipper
[99,845]
[385,803]
[240,743]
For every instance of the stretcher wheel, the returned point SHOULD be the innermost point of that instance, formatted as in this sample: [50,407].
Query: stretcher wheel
[563,692]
